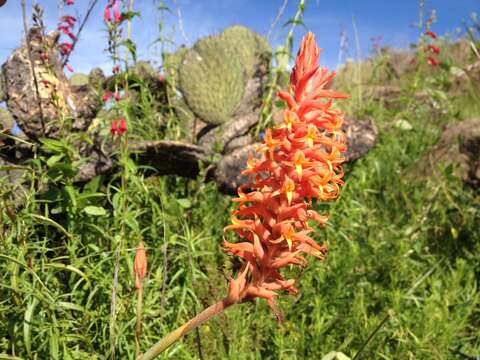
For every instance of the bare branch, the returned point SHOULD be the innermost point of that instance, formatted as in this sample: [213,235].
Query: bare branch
[180,23]
[280,12]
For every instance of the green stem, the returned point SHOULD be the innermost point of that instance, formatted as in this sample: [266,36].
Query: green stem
[175,335]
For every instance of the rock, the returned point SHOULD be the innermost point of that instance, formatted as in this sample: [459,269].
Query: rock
[36,113]
[227,172]
[171,157]
[459,146]
[361,137]
[6,120]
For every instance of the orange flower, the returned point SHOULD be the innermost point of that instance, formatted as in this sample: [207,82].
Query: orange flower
[140,265]
[301,160]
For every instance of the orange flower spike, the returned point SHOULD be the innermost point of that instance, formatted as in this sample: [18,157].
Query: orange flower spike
[140,265]
[301,160]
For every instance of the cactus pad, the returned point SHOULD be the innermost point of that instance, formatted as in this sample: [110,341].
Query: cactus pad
[212,80]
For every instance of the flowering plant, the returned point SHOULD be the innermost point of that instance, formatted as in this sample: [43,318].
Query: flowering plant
[300,161]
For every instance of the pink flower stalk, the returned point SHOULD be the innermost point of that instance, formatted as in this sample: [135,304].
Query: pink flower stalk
[69,67]
[69,2]
[301,161]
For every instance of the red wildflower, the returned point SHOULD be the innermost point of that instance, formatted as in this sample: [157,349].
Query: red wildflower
[117,96]
[70,20]
[114,127]
[106,96]
[432,61]
[65,48]
[431,34]
[301,160]
[122,126]
[119,127]
[434,49]
[107,17]
[140,265]
[116,69]
[116,13]
[69,2]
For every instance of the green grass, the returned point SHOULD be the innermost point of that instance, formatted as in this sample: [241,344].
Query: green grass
[404,245]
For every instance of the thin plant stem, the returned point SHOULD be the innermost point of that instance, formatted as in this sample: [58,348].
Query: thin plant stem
[138,328]
[280,12]
[192,324]
[379,326]
[32,65]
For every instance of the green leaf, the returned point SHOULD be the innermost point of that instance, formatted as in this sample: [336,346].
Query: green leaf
[131,48]
[403,125]
[27,325]
[185,203]
[95,210]
[128,15]
[335,355]
[52,145]
[54,159]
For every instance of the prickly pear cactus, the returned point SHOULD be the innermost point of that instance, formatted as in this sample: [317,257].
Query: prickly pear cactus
[212,80]
[250,47]
[79,79]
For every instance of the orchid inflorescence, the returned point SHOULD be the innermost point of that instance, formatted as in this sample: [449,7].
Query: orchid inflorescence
[301,161]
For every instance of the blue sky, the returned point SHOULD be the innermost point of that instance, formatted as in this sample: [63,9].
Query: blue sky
[390,19]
